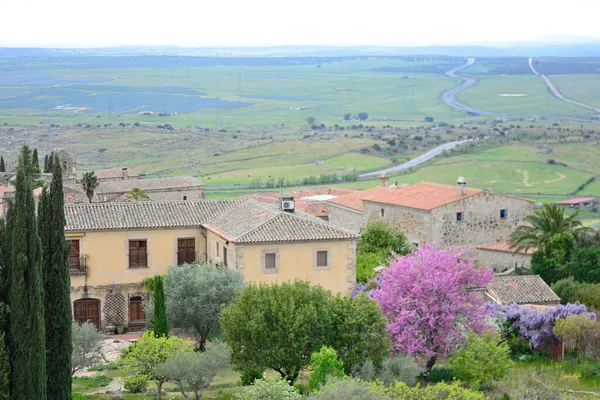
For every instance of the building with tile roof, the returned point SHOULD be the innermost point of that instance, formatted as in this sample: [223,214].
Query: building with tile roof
[110,174]
[522,290]
[116,245]
[450,216]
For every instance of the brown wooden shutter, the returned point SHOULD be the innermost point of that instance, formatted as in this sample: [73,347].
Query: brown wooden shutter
[74,262]
[186,251]
[224,256]
[133,254]
[138,254]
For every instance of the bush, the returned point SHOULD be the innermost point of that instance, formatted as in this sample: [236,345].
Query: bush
[366,371]
[482,360]
[269,389]
[349,389]
[566,289]
[440,391]
[402,369]
[585,265]
[324,364]
[135,383]
[437,375]
[86,345]
[248,376]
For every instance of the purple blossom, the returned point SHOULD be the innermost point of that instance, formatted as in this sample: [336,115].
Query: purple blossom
[532,324]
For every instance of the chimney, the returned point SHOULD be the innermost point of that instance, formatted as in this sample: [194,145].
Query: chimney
[384,180]
[125,173]
[286,201]
[461,183]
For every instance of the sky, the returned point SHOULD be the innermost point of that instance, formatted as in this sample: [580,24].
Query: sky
[76,23]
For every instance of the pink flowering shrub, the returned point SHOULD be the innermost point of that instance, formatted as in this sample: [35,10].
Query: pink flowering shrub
[426,299]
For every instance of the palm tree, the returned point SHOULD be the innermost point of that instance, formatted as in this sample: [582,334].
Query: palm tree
[89,183]
[542,226]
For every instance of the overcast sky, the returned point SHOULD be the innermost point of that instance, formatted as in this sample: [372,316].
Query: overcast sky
[77,23]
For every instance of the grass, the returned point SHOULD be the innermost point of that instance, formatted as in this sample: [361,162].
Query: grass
[85,383]
[357,162]
[583,88]
[486,95]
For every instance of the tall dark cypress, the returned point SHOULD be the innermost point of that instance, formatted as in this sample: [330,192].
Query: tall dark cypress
[2,166]
[35,162]
[160,323]
[27,335]
[50,162]
[4,359]
[46,170]
[57,289]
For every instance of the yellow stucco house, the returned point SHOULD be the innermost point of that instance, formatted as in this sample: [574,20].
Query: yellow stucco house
[116,245]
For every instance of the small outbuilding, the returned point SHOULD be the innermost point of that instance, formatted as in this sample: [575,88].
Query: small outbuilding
[522,290]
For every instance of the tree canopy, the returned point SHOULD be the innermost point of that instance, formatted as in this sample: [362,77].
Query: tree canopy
[89,181]
[424,296]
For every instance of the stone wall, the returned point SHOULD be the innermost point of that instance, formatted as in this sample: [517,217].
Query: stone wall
[481,221]
[414,223]
[346,218]
[501,261]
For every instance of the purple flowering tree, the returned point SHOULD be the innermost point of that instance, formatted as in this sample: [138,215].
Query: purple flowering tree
[426,299]
[535,325]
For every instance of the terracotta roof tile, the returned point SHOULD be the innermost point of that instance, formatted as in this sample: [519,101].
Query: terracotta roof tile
[109,173]
[143,215]
[504,247]
[576,201]
[256,222]
[354,200]
[526,289]
[148,184]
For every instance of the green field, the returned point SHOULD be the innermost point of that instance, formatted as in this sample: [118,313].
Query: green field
[487,93]
[583,88]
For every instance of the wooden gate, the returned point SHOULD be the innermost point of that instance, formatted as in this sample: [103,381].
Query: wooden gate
[137,316]
[87,310]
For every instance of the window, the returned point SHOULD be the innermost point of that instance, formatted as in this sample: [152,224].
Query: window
[224,256]
[74,260]
[382,213]
[217,250]
[138,254]
[459,216]
[322,258]
[186,251]
[503,214]
[185,197]
[270,261]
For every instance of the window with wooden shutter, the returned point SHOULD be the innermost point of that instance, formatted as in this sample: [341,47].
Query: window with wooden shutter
[186,251]
[224,256]
[137,316]
[74,258]
[138,254]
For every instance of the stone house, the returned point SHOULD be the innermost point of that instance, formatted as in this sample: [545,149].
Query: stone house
[522,290]
[116,245]
[450,216]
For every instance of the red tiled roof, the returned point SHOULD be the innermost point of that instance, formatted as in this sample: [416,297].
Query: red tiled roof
[314,208]
[503,246]
[524,289]
[423,196]
[575,201]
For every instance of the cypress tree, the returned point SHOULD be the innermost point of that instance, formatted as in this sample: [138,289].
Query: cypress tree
[57,289]
[4,359]
[27,335]
[160,323]
[35,162]
[50,162]
[46,170]
[2,166]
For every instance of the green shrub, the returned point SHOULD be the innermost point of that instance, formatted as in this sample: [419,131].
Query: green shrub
[103,367]
[589,369]
[136,383]
[585,265]
[440,391]
[269,389]
[366,371]
[438,374]
[402,369]
[482,360]
[517,344]
[349,389]
[324,364]
[566,289]
[89,382]
[248,376]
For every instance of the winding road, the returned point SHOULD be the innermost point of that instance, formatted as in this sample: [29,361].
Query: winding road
[556,93]
[449,96]
[419,160]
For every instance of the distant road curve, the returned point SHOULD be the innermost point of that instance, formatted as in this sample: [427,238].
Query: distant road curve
[419,160]
[556,93]
[449,96]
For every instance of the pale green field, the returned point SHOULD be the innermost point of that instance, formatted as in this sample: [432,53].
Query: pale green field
[583,88]
[538,101]
[357,161]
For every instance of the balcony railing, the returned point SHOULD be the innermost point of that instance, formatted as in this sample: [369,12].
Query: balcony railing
[80,269]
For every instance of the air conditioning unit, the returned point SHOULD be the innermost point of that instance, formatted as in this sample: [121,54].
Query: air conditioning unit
[287,205]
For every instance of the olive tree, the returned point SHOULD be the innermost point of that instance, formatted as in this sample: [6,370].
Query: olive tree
[196,370]
[195,295]
[87,342]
